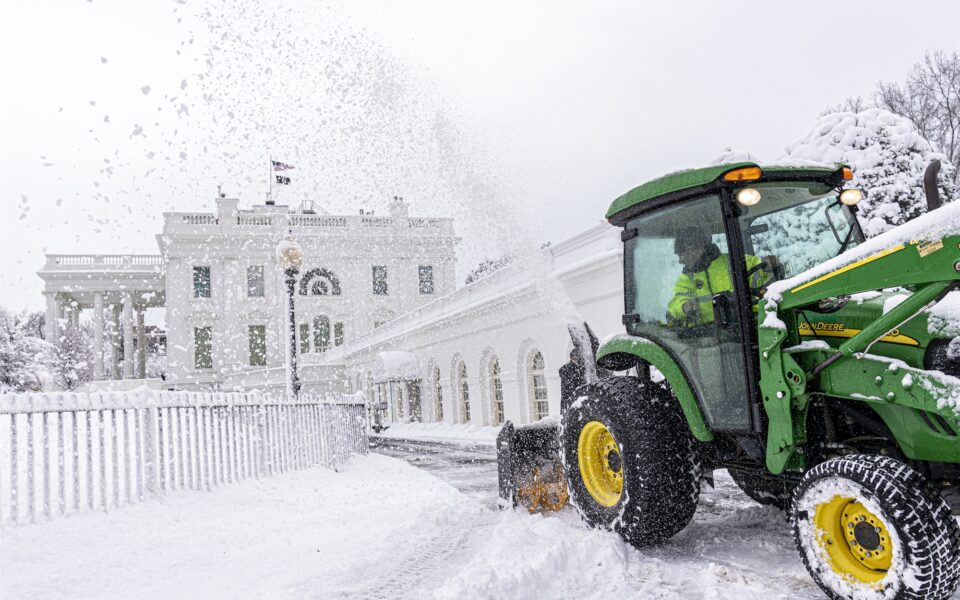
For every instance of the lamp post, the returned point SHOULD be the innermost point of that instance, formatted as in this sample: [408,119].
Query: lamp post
[289,258]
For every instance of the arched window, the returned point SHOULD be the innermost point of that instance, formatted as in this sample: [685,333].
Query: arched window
[496,391]
[464,392]
[437,394]
[319,282]
[321,334]
[540,408]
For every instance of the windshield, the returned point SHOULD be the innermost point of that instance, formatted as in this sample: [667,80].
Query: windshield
[801,224]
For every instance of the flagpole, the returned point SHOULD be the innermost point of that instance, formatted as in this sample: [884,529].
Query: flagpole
[270,193]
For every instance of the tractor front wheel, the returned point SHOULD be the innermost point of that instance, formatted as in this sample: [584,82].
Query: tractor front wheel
[870,526]
[629,460]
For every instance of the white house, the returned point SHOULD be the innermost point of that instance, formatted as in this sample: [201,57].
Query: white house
[377,310]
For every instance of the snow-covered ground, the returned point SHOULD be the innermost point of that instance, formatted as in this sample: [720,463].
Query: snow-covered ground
[385,529]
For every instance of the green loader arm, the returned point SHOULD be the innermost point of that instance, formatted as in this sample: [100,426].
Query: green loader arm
[788,378]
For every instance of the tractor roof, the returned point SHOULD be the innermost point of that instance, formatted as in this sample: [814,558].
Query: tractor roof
[695,182]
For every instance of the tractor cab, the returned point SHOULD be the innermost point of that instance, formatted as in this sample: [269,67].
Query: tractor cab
[697,264]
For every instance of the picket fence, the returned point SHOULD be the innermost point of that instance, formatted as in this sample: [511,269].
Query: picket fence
[65,453]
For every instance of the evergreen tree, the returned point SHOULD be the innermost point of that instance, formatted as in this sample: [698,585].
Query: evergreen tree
[23,357]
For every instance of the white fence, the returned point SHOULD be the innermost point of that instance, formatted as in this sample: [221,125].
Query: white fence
[65,453]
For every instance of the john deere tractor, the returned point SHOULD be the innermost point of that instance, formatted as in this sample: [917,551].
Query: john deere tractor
[766,336]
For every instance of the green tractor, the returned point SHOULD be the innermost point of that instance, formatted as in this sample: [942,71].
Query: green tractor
[766,336]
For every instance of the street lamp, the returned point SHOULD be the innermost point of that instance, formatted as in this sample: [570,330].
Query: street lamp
[289,258]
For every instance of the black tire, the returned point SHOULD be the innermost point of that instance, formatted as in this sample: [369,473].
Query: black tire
[924,540]
[770,491]
[658,466]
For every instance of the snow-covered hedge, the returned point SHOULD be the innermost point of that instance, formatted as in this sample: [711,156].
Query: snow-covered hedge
[888,157]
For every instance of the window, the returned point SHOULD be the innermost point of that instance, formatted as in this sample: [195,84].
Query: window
[496,392]
[464,392]
[380,281]
[304,338]
[321,334]
[426,279]
[437,394]
[255,281]
[538,386]
[201,282]
[258,345]
[203,347]
[338,334]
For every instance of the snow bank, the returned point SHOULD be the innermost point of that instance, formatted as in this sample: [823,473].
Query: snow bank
[313,533]
[434,432]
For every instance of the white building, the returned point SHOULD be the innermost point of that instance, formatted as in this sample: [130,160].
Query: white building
[376,310]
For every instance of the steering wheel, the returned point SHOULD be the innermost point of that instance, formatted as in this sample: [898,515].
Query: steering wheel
[774,267]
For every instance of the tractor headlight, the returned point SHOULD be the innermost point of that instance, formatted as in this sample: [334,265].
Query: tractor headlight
[748,196]
[851,196]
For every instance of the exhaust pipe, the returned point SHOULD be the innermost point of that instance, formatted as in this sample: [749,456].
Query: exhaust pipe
[930,185]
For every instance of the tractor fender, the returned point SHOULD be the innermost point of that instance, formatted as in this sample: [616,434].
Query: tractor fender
[621,352]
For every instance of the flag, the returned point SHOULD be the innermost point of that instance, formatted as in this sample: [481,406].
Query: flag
[279,166]
[283,180]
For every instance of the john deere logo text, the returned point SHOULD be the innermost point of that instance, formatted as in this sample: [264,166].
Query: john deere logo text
[839,330]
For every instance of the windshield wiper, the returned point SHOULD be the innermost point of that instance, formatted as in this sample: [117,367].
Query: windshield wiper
[846,241]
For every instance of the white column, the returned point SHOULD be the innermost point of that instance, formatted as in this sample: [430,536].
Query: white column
[141,345]
[75,314]
[57,319]
[98,336]
[51,324]
[115,341]
[127,335]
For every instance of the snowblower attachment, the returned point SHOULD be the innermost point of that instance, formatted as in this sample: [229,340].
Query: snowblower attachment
[528,457]
[529,468]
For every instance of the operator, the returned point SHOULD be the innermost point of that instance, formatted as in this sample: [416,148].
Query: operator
[706,272]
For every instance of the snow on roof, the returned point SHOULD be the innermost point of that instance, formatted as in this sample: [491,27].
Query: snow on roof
[395,365]
[933,225]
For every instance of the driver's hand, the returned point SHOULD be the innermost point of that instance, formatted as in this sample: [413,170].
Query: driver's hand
[690,309]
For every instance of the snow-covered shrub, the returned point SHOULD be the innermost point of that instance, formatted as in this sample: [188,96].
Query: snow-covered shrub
[23,357]
[888,157]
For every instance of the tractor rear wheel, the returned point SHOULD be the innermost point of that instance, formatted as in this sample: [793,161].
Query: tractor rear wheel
[629,460]
[771,491]
[869,526]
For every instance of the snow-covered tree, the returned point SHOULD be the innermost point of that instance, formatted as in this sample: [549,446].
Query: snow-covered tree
[73,358]
[488,266]
[888,157]
[733,155]
[930,99]
[23,357]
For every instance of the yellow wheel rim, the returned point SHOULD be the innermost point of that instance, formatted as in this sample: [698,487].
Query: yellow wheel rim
[601,468]
[855,540]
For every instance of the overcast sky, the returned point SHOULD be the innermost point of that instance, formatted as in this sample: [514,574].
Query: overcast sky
[521,120]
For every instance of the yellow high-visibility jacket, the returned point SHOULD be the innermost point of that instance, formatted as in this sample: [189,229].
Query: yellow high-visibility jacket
[703,285]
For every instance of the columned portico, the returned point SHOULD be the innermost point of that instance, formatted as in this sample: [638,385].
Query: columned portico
[112,287]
